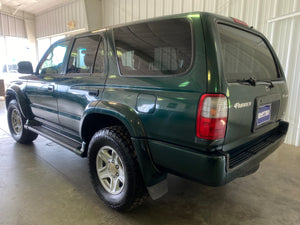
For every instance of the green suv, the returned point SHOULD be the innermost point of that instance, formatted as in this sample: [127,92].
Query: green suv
[197,95]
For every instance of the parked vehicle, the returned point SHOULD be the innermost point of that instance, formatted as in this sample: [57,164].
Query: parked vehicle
[10,68]
[197,95]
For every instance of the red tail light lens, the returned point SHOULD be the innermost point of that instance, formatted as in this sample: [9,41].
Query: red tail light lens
[212,116]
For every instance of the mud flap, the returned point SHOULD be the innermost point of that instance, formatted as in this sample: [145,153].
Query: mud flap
[158,190]
[155,180]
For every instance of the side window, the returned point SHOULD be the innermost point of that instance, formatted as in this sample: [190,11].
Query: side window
[54,60]
[154,48]
[83,54]
[99,64]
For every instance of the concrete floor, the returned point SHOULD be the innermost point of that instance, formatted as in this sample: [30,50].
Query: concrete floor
[46,184]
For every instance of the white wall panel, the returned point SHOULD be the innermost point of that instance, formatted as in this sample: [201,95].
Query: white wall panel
[176,6]
[255,12]
[143,9]
[12,26]
[168,7]
[135,9]
[55,21]
[283,34]
[122,11]
[159,8]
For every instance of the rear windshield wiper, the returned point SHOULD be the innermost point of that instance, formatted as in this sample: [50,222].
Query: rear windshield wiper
[250,80]
[271,85]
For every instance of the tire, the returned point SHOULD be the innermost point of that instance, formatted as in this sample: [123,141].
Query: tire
[16,123]
[112,161]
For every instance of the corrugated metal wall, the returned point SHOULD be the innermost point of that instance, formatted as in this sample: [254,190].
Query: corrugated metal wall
[56,20]
[283,32]
[12,26]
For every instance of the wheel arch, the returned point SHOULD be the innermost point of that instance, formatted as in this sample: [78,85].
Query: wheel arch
[15,92]
[109,114]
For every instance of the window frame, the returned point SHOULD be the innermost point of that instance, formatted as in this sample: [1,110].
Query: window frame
[103,39]
[190,22]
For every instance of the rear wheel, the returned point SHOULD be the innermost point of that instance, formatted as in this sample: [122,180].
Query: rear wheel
[114,170]
[16,123]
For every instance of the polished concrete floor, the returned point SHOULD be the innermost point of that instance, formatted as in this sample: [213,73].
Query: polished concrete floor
[45,184]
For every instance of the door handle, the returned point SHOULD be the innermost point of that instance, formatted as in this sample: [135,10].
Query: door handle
[51,88]
[94,93]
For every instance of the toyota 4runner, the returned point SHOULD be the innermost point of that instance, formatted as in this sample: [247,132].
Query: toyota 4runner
[197,95]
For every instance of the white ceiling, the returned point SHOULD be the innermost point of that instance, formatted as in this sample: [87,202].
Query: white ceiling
[34,6]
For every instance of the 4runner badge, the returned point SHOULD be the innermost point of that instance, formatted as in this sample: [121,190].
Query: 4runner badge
[241,105]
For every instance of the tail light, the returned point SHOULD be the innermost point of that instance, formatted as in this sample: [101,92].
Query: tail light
[240,22]
[212,116]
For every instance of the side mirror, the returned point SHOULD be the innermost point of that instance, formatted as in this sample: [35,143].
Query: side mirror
[25,67]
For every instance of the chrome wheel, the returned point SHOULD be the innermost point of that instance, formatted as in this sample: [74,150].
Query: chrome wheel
[110,170]
[16,122]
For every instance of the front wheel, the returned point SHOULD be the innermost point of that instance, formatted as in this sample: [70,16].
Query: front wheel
[114,170]
[16,123]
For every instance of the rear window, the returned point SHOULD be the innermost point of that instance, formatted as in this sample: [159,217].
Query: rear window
[154,48]
[245,55]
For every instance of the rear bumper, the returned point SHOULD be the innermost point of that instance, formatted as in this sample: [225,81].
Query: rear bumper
[217,168]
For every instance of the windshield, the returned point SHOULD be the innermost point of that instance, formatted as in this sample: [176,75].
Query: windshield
[245,55]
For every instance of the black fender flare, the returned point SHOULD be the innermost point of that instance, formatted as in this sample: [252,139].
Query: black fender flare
[131,121]
[16,92]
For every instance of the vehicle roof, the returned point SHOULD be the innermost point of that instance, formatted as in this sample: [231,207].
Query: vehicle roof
[195,14]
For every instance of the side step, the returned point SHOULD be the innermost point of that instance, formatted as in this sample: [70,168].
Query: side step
[70,144]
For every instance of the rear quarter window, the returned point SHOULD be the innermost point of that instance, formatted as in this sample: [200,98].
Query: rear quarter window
[154,48]
[245,55]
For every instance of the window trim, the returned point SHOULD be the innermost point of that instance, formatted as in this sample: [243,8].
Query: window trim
[280,76]
[105,57]
[190,22]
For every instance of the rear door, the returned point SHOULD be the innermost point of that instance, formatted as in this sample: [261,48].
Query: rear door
[256,88]
[83,82]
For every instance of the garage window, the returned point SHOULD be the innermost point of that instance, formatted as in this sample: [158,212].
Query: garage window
[154,48]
